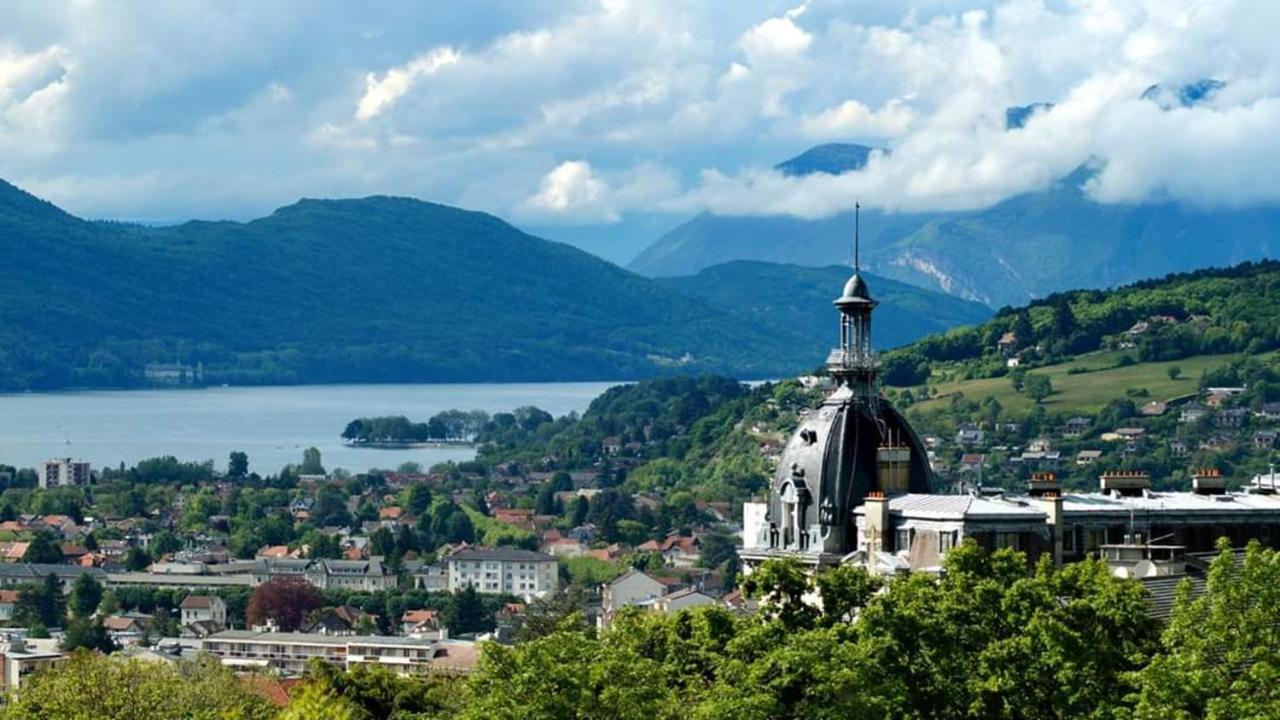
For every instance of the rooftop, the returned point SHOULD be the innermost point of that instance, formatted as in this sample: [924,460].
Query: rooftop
[502,554]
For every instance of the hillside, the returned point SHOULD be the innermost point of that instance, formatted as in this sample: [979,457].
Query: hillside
[374,290]
[1094,346]
[1024,247]
[800,298]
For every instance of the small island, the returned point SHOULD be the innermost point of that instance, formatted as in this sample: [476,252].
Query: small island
[452,428]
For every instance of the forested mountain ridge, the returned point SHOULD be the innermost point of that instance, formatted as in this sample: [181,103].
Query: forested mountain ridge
[1209,311]
[801,298]
[379,289]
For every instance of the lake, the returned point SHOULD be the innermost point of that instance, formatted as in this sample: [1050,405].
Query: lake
[272,424]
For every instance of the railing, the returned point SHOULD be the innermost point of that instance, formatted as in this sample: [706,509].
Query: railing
[846,358]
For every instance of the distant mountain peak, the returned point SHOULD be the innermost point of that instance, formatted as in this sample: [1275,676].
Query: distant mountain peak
[1185,96]
[1017,116]
[831,158]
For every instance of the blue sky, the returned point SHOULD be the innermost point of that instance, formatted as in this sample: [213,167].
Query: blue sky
[600,120]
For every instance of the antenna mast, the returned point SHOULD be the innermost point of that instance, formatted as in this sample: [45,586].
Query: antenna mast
[856,207]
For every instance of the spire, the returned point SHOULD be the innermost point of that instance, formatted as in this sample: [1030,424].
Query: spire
[857,267]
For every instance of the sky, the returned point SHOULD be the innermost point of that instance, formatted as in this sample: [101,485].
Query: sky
[607,122]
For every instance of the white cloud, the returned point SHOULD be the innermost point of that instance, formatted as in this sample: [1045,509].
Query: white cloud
[777,37]
[571,188]
[663,106]
[381,93]
[852,119]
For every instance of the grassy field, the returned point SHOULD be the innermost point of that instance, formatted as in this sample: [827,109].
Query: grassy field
[1088,391]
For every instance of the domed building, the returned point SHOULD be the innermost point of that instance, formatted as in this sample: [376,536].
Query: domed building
[853,446]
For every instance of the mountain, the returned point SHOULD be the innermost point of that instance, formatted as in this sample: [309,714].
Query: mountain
[1025,247]
[801,298]
[832,158]
[379,289]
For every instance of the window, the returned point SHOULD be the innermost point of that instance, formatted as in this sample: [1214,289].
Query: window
[946,541]
[903,541]
[1094,538]
[1007,540]
[1068,540]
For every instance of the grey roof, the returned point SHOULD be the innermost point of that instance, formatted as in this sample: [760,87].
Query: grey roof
[963,507]
[855,291]
[1171,502]
[505,554]
[38,571]
[1161,592]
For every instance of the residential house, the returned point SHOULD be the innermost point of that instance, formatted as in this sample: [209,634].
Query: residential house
[420,622]
[202,609]
[681,551]
[970,436]
[1231,417]
[1087,457]
[611,445]
[339,620]
[1076,426]
[1193,412]
[1264,439]
[682,599]
[564,547]
[1269,411]
[1007,344]
[8,600]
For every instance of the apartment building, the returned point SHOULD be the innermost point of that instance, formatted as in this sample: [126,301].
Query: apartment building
[503,571]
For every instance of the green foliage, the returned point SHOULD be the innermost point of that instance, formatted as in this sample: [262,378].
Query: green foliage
[1219,654]
[86,595]
[44,549]
[95,687]
[42,604]
[89,634]
[589,571]
[251,303]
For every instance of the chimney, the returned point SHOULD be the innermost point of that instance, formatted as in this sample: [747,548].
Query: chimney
[1208,481]
[875,526]
[1125,482]
[1043,483]
[895,468]
[1051,502]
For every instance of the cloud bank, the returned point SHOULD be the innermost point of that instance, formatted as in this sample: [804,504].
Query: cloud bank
[589,113]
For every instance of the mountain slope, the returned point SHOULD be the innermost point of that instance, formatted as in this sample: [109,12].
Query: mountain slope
[1024,247]
[374,290]
[801,298]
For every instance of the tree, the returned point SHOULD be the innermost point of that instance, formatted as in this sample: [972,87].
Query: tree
[417,499]
[465,613]
[86,595]
[137,559]
[285,600]
[317,702]
[88,633]
[42,604]
[163,543]
[1037,387]
[108,688]
[1220,651]
[580,509]
[238,465]
[1174,372]
[311,464]
[43,549]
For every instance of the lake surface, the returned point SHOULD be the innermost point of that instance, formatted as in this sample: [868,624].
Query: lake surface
[272,424]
